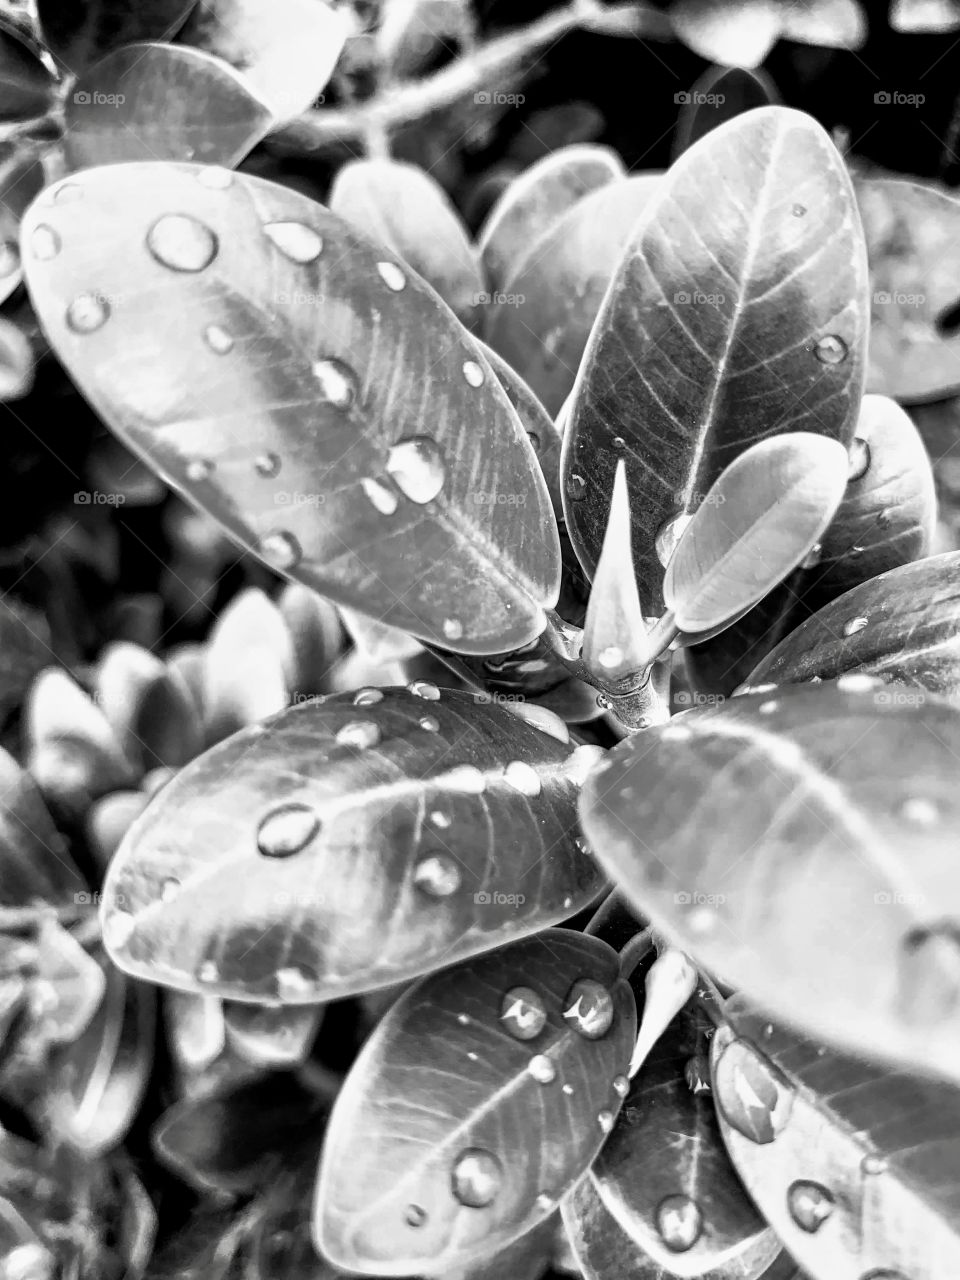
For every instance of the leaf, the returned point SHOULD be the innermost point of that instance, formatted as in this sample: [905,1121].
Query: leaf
[829,24]
[245,665]
[759,520]
[34,861]
[352,497]
[903,625]
[150,709]
[535,202]
[196,1029]
[24,652]
[272,1037]
[27,88]
[911,232]
[161,102]
[924,17]
[79,33]
[735,33]
[402,208]
[615,631]
[542,321]
[828,1135]
[67,986]
[458,821]
[453,1133]
[414,33]
[718,95]
[17,362]
[287,49]
[744,334]
[800,845]
[21,179]
[316,635]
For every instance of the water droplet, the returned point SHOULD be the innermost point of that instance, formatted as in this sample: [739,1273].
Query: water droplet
[751,1093]
[858,681]
[199,469]
[360,734]
[337,382]
[872,1165]
[885,1273]
[414,1215]
[424,689]
[169,889]
[266,465]
[859,459]
[589,1008]
[29,1262]
[799,210]
[679,1222]
[287,829]
[68,193]
[534,441]
[831,350]
[610,657]
[582,762]
[619,443]
[418,469]
[182,243]
[463,1019]
[473,373]
[437,875]
[543,719]
[295,240]
[87,313]
[810,1205]
[544,1202]
[669,535]
[568,1090]
[523,1013]
[468,778]
[812,558]
[430,723]
[768,708]
[207,971]
[621,1086]
[438,819]
[44,243]
[920,811]
[392,276]
[380,495]
[215,178]
[523,778]
[576,486]
[293,984]
[280,549]
[605,1121]
[118,929]
[477,1176]
[9,257]
[217,339]
[367,697]
[854,625]
[542,1069]
[452,628]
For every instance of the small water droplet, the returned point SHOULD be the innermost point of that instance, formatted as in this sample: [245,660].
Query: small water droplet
[215,178]
[87,313]
[430,723]
[589,1008]
[582,762]
[610,657]
[545,1203]
[872,1165]
[534,441]
[207,971]
[68,193]
[468,778]
[463,1019]
[858,682]
[438,819]
[751,1093]
[809,1204]
[287,829]
[293,984]
[669,535]
[452,628]
[199,469]
[418,469]
[280,549]
[473,373]
[337,383]
[295,240]
[576,486]
[523,1013]
[182,243]
[859,459]
[542,1069]
[414,1215]
[44,243]
[831,349]
[621,1086]
[437,875]
[523,778]
[854,625]
[768,708]
[799,210]
[169,889]
[392,276]
[217,339]
[380,495]
[266,465]
[812,558]
[477,1177]
[568,1090]
[920,812]
[360,734]
[605,1121]
[680,1222]
[118,929]
[424,689]
[543,719]
[367,697]
[619,443]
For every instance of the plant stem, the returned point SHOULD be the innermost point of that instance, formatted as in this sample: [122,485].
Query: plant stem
[640,945]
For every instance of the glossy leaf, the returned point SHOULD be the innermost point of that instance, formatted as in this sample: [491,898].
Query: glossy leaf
[17,362]
[742,32]
[854,1166]
[67,987]
[615,632]
[316,635]
[828,24]
[79,33]
[457,818]
[543,320]
[720,94]
[307,441]
[34,860]
[800,844]
[454,1132]
[162,102]
[406,210]
[743,336]
[536,200]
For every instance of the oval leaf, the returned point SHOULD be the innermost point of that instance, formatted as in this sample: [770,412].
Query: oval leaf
[78,33]
[34,860]
[735,33]
[720,94]
[454,1133]
[307,440]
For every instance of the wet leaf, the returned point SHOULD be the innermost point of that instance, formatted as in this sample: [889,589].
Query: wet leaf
[34,860]
[403,208]
[306,441]
[744,337]
[475,1105]
[162,102]
[456,817]
[79,33]
[799,844]
[720,94]
[818,1136]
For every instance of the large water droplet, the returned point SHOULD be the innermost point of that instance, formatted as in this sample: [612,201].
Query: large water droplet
[67,193]
[266,465]
[280,549]
[467,778]
[872,1165]
[182,243]
[169,889]
[217,339]
[810,1205]
[44,243]
[295,241]
[87,313]
[473,373]
[588,1008]
[430,723]
[523,1013]
[367,697]
[424,689]
[523,778]
[437,875]
[753,1096]
[287,829]
[680,1222]
[859,459]
[380,495]
[669,535]
[337,383]
[360,734]
[477,1177]
[799,210]
[851,627]
[29,1262]
[392,276]
[542,1069]
[418,468]
[543,719]
[831,350]
[414,1215]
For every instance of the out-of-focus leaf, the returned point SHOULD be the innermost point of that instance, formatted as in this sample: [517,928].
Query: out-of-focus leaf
[108,821]
[286,50]
[801,844]
[16,361]
[245,665]
[924,17]
[734,33]
[829,24]
[78,33]
[26,86]
[269,1037]
[855,1167]
[114,469]
[401,207]
[912,242]
[480,1099]
[306,440]
[536,200]
[136,1229]
[412,33]
[24,652]
[743,337]
[457,821]
[21,179]
[196,1029]
[547,306]
[149,708]
[316,637]
[68,985]
[162,102]
[720,94]
[34,860]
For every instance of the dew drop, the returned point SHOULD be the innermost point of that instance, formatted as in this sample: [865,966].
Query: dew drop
[523,1013]
[859,459]
[287,829]
[215,178]
[523,778]
[543,719]
[380,495]
[293,984]
[463,1019]
[752,1095]
[768,708]
[534,441]
[337,383]
[437,875]
[854,625]
[68,193]
[418,469]
[812,558]
[452,628]
[568,1090]
[118,929]
[414,1215]
[920,812]
[367,697]
[44,243]
[542,1069]
[605,1121]
[799,210]
[576,486]
[182,243]
[295,240]
[619,443]
[87,313]
[207,971]
[477,1176]
[831,350]
[610,657]
[589,1008]
[621,1086]
[199,469]
[9,257]
[29,1262]
[266,465]
[544,1202]
[424,689]
[872,1165]
[169,889]
[360,734]
[280,549]
[217,339]
[680,1222]
[473,373]
[669,536]
[810,1205]
[582,762]
[392,276]
[438,819]
[430,723]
